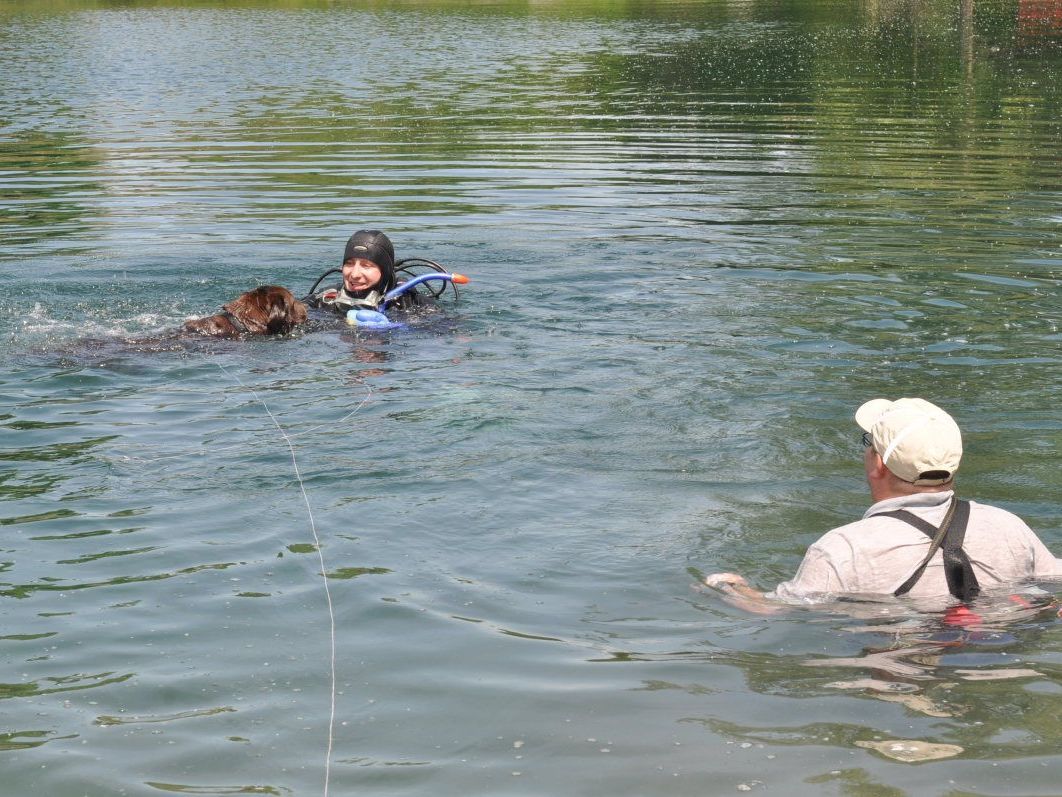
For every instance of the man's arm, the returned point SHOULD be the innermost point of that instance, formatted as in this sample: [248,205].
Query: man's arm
[735,590]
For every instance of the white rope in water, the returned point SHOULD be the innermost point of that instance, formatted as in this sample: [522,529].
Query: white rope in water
[292,436]
[324,573]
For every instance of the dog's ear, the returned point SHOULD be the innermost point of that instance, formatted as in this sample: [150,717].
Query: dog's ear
[268,310]
[285,311]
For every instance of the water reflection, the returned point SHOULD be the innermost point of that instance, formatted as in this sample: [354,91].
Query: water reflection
[838,124]
[976,671]
[48,178]
[1039,19]
[702,228]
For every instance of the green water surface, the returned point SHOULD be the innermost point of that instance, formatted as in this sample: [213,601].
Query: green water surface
[699,235]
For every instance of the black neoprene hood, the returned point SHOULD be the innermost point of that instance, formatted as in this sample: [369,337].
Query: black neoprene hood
[375,246]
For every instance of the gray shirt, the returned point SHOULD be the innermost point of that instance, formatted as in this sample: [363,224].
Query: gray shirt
[875,555]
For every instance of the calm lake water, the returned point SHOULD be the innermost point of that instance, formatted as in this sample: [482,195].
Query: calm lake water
[699,234]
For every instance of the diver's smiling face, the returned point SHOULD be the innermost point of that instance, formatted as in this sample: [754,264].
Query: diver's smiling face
[360,275]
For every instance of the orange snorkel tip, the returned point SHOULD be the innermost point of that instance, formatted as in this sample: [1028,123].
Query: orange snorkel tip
[460,279]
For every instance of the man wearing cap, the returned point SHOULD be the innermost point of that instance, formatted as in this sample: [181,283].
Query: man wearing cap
[917,538]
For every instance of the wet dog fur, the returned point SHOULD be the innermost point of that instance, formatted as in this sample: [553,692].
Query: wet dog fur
[266,310]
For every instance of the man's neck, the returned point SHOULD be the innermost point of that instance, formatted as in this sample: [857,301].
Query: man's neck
[894,488]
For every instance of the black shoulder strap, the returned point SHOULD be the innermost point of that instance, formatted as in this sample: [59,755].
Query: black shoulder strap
[911,518]
[962,582]
[936,535]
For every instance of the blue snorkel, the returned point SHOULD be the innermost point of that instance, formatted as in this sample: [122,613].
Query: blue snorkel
[376,319]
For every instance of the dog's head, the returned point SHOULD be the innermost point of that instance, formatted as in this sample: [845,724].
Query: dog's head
[268,310]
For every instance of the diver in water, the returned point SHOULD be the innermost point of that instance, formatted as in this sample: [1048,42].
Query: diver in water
[374,283]
[369,271]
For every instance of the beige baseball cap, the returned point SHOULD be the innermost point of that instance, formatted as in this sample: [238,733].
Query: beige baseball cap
[917,440]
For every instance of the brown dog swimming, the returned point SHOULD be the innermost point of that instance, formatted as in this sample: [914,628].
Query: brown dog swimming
[266,310]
